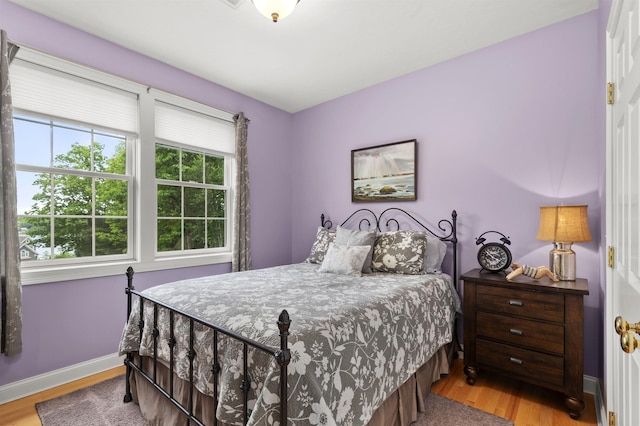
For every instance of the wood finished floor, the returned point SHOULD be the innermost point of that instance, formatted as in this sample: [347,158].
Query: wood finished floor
[524,404]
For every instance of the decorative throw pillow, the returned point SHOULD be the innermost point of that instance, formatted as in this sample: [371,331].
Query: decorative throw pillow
[434,255]
[401,252]
[351,237]
[347,260]
[324,237]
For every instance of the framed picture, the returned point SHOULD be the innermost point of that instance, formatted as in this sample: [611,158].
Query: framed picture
[384,172]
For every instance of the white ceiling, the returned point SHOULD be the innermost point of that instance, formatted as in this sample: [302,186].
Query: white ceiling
[324,50]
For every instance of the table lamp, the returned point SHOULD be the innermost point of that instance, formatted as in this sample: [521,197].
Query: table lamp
[563,225]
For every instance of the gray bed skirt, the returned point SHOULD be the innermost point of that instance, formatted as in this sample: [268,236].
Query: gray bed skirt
[400,409]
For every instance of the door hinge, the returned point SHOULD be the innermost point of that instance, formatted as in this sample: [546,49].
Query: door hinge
[612,418]
[610,93]
[611,256]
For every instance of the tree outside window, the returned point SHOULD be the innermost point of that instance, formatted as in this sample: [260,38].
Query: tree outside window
[192,199]
[73,190]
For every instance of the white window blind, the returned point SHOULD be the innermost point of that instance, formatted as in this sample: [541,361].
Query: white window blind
[193,128]
[43,90]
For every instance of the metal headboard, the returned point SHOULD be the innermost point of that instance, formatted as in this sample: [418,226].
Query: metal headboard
[390,219]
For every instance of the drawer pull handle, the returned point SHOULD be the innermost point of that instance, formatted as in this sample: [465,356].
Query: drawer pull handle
[516,360]
[513,302]
[516,331]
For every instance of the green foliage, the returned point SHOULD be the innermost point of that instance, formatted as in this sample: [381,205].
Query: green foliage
[195,204]
[167,163]
[72,195]
[189,217]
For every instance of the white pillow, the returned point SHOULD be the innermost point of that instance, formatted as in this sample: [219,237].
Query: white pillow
[351,237]
[434,255]
[346,260]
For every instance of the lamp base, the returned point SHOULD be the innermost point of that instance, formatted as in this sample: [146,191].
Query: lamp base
[562,261]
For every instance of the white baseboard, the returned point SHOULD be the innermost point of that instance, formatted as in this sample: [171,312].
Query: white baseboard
[592,386]
[42,382]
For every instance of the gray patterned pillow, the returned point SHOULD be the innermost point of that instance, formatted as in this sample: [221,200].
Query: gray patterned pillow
[324,237]
[401,252]
[352,237]
[347,260]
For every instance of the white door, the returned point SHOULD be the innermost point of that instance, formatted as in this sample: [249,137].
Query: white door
[623,209]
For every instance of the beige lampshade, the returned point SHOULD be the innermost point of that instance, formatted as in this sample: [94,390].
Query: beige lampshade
[567,224]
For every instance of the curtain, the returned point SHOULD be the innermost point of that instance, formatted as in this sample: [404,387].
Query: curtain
[242,212]
[11,293]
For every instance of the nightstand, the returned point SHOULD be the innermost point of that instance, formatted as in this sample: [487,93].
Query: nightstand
[531,330]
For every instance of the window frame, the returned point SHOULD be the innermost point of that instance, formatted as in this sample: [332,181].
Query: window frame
[128,177]
[142,254]
[227,187]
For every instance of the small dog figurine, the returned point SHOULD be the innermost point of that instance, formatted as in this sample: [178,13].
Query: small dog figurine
[531,272]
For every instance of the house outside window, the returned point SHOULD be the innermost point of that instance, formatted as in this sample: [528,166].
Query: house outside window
[27,252]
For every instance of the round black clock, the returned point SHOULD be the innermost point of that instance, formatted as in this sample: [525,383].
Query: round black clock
[494,256]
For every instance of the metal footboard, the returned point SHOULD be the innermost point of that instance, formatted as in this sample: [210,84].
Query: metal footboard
[282,355]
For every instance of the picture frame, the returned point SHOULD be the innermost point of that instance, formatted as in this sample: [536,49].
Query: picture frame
[384,172]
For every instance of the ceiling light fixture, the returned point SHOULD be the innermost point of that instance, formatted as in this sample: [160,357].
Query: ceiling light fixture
[275,9]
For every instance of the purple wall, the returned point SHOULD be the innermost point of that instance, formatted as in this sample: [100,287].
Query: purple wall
[71,322]
[500,132]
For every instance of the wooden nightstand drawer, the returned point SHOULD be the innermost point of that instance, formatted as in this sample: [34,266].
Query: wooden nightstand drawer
[521,332]
[530,304]
[532,365]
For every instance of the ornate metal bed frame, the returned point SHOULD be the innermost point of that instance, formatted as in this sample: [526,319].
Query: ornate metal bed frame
[281,354]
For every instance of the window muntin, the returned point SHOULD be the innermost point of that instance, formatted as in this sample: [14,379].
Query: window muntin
[73,190]
[192,195]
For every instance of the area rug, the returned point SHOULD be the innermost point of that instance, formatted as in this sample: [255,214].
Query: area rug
[97,405]
[442,411]
[101,405]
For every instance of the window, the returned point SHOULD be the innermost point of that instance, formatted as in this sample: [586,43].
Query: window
[192,179]
[191,200]
[73,189]
[98,192]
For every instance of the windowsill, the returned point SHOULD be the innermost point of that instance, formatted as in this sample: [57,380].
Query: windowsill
[43,275]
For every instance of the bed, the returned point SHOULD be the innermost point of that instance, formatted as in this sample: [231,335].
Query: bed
[355,335]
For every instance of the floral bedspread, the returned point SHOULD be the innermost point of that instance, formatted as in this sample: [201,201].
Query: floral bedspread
[353,340]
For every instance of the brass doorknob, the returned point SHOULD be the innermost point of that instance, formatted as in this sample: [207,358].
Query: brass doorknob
[628,342]
[622,326]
